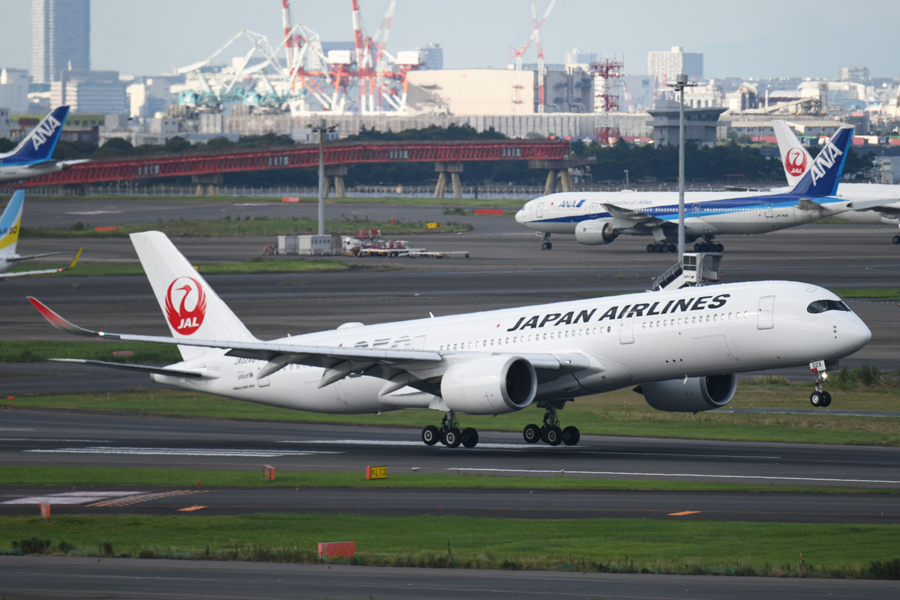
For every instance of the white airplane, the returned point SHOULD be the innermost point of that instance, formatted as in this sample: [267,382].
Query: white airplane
[10,224]
[682,348]
[796,160]
[598,218]
[33,156]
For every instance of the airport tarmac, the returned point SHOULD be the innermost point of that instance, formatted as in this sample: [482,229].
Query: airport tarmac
[53,438]
[26,577]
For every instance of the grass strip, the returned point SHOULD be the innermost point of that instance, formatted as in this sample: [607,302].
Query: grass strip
[252,266]
[112,476]
[122,352]
[623,545]
[508,203]
[892,294]
[621,413]
[235,227]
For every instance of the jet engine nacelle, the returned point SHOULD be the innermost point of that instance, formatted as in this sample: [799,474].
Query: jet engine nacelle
[695,395]
[595,233]
[489,386]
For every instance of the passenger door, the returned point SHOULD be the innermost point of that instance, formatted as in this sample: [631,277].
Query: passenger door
[766,315]
[769,213]
[540,210]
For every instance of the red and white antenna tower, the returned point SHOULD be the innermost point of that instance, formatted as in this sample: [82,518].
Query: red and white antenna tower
[606,98]
[517,54]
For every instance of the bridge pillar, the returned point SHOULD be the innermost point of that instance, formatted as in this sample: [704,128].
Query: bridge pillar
[442,169]
[212,182]
[335,174]
[558,170]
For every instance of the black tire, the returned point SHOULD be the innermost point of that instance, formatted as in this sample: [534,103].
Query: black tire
[651,248]
[545,246]
[553,436]
[664,248]
[571,435]
[549,246]
[720,248]
[452,438]
[827,402]
[532,433]
[896,239]
[673,248]
[698,247]
[817,399]
[469,437]
[430,435]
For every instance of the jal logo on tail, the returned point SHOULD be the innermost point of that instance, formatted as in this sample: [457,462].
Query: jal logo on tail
[44,131]
[188,296]
[795,162]
[824,161]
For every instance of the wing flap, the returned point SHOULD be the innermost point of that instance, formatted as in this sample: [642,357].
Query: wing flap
[150,369]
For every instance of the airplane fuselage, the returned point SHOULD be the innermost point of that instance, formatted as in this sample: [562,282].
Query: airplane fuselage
[19,172]
[605,343]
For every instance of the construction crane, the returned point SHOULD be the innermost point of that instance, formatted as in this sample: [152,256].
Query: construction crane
[517,55]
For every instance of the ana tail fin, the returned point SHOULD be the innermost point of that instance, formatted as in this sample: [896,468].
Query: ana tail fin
[824,174]
[794,157]
[191,307]
[10,222]
[39,145]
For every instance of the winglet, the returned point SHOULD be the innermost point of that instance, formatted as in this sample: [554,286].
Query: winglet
[74,261]
[60,323]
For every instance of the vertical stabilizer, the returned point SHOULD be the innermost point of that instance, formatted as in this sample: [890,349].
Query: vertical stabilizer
[38,146]
[191,308]
[824,174]
[10,223]
[794,157]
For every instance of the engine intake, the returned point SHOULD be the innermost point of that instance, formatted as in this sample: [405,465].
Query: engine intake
[595,233]
[695,395]
[489,386]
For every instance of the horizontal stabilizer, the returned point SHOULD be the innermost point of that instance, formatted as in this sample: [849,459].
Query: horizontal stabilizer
[139,368]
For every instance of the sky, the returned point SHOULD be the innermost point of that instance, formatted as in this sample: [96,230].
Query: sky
[758,38]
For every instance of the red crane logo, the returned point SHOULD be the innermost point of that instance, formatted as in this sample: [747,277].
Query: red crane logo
[183,319]
[795,162]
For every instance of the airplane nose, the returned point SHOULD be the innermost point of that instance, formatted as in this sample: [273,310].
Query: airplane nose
[520,216]
[859,335]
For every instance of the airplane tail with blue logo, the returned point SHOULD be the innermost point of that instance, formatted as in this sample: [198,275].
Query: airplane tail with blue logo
[10,222]
[824,174]
[39,145]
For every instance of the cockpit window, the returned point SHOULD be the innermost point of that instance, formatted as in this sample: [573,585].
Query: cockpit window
[820,306]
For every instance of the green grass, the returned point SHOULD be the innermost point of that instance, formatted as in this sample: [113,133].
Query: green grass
[40,351]
[892,294]
[234,227]
[354,477]
[616,413]
[510,203]
[624,545]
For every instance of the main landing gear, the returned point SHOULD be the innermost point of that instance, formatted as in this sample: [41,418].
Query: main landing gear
[896,239]
[707,245]
[820,398]
[663,247]
[449,433]
[549,432]
[545,242]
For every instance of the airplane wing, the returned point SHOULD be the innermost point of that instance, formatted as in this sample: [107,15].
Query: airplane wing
[139,368]
[625,218]
[43,271]
[338,361]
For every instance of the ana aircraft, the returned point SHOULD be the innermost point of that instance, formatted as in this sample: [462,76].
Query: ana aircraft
[796,161]
[598,218]
[681,348]
[10,224]
[33,156]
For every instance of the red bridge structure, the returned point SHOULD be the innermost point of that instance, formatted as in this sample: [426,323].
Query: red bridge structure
[208,168]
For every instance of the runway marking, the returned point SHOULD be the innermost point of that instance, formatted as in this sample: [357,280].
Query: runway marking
[129,500]
[705,476]
[686,512]
[179,451]
[16,428]
[53,440]
[69,498]
[89,213]
[191,508]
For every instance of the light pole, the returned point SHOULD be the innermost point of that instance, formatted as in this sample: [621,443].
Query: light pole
[321,129]
[681,82]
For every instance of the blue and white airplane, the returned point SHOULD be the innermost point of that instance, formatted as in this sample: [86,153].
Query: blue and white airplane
[10,225]
[33,156]
[598,218]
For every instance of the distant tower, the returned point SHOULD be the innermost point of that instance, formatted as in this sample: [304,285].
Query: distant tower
[60,38]
[433,55]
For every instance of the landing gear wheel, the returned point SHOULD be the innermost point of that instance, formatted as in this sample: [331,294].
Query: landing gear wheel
[665,248]
[698,247]
[546,246]
[469,437]
[827,402]
[571,435]
[452,438]
[817,399]
[651,248]
[532,433]
[720,248]
[553,436]
[430,435]
[896,239]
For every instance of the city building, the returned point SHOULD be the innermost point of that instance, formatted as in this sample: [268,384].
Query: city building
[858,74]
[14,90]
[60,38]
[433,55]
[472,92]
[157,130]
[4,123]
[98,92]
[700,124]
[675,62]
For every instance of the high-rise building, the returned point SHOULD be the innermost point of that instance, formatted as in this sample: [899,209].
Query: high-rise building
[60,38]
[433,55]
[675,62]
[14,90]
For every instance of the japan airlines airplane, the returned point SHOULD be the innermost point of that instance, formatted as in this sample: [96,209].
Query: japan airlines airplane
[796,160]
[681,348]
[598,218]
[10,224]
[33,156]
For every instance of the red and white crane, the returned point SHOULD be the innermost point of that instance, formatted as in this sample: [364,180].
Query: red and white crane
[517,54]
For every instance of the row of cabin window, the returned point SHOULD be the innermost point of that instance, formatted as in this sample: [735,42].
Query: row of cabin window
[714,317]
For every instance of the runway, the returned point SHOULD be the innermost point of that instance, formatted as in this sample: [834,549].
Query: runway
[91,440]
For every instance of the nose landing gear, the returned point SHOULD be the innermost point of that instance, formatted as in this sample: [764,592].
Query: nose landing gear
[550,432]
[820,398]
[545,242]
[449,433]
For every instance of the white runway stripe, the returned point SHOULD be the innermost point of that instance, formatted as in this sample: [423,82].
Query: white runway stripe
[179,451]
[54,440]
